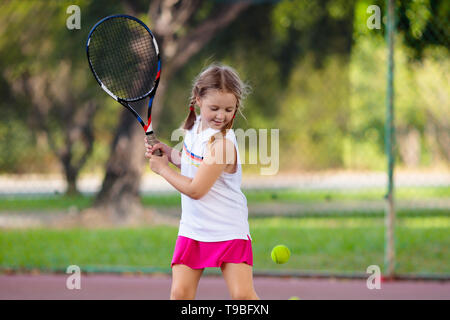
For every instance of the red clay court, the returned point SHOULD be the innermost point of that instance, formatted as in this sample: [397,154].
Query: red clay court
[157,287]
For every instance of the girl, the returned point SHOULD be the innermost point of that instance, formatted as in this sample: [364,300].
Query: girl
[214,230]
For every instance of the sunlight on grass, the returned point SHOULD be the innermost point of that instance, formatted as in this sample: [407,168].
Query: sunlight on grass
[354,222]
[172,199]
[313,223]
[425,223]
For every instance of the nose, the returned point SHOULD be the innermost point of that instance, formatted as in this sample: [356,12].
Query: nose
[220,115]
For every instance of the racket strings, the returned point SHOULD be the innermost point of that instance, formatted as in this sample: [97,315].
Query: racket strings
[124,57]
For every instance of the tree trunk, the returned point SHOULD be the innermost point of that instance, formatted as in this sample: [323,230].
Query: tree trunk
[71,179]
[119,194]
[74,114]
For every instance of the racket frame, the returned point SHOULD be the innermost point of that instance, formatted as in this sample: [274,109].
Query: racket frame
[148,128]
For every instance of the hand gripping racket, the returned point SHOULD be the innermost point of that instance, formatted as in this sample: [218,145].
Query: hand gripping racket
[124,58]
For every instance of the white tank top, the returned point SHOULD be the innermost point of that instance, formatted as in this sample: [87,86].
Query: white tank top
[222,213]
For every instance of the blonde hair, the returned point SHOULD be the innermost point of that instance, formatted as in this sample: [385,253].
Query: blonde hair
[216,77]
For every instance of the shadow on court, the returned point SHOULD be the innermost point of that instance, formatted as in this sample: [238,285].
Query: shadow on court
[157,287]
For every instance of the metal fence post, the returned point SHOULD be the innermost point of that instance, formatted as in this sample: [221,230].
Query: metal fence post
[389,143]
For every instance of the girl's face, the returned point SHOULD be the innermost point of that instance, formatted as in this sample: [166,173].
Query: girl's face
[217,108]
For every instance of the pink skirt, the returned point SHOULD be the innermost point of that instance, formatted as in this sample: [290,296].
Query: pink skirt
[198,255]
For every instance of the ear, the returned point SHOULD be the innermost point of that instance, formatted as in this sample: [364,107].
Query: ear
[198,101]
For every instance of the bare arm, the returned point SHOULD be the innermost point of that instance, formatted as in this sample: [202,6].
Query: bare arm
[175,157]
[209,171]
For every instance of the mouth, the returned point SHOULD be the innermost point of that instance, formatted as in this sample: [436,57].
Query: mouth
[217,123]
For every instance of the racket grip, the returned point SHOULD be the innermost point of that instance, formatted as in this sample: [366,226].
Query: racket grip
[151,139]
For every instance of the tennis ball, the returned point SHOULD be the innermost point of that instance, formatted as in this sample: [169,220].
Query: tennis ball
[280,254]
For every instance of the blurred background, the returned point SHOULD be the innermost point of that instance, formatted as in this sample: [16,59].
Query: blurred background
[74,185]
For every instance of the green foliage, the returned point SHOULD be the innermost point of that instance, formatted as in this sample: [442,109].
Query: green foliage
[314,115]
[418,95]
[317,73]
[424,23]
[14,147]
[44,66]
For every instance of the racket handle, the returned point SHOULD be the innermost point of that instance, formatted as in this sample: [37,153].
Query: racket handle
[151,139]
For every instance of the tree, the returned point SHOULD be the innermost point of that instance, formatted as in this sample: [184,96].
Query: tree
[66,120]
[45,73]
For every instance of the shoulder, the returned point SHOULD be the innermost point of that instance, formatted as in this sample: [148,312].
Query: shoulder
[222,143]
[230,135]
[222,149]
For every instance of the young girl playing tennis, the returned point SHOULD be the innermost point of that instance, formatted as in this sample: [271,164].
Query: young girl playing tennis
[214,230]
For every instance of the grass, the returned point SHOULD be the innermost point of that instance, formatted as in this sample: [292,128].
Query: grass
[290,195]
[317,244]
[60,202]
[320,243]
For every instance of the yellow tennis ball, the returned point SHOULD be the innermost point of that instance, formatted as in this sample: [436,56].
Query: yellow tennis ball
[280,254]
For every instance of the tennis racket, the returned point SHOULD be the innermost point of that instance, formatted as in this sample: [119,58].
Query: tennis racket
[124,57]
